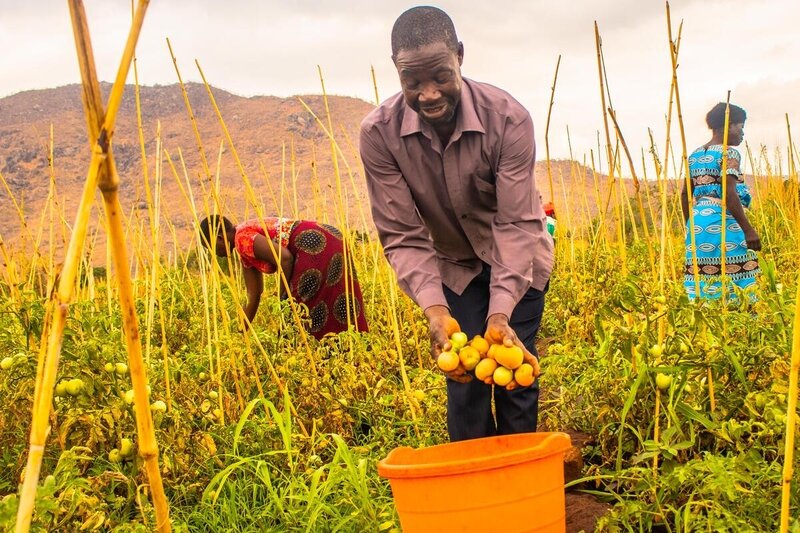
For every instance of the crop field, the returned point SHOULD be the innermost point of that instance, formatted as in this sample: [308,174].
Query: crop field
[689,407]
[686,404]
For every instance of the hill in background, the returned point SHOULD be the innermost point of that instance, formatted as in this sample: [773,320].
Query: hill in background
[280,144]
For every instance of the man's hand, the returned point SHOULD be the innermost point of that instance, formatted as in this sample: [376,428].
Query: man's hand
[440,325]
[498,331]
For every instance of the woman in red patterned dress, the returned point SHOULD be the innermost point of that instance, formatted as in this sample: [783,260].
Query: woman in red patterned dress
[311,255]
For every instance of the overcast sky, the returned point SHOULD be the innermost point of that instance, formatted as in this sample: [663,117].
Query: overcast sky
[250,47]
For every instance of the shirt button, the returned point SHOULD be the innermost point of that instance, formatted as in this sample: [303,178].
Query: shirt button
[483,253]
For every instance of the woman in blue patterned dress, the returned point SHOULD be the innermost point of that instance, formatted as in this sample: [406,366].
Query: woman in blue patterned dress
[741,239]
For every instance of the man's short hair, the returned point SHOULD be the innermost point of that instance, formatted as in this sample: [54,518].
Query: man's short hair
[423,25]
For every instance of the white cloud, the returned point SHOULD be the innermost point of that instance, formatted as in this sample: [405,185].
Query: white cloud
[272,47]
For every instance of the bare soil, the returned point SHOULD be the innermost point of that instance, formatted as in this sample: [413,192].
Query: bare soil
[582,510]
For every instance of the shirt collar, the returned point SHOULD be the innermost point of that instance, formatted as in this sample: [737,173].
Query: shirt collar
[466,117]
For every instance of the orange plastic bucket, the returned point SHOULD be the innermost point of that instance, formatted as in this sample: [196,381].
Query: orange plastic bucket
[509,483]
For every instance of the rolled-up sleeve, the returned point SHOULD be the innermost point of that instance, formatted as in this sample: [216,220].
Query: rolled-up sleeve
[405,239]
[522,249]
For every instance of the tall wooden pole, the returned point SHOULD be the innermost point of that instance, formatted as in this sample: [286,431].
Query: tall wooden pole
[102,173]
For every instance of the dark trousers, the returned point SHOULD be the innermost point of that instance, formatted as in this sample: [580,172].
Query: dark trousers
[469,405]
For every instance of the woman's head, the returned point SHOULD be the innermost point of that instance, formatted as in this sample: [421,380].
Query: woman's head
[737,116]
[216,232]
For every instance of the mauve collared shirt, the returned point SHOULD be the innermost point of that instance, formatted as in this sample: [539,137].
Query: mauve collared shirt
[442,211]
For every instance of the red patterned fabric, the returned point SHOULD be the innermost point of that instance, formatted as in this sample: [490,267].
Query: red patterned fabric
[318,279]
[246,233]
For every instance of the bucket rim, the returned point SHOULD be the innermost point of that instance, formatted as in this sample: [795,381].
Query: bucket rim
[555,443]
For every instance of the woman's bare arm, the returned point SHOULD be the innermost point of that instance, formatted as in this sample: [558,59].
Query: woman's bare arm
[685,204]
[263,251]
[735,208]
[254,284]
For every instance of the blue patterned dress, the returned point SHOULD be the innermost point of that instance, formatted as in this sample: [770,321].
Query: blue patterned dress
[741,264]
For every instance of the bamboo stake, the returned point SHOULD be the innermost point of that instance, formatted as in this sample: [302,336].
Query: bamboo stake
[148,447]
[51,281]
[791,419]
[656,430]
[153,278]
[204,263]
[611,159]
[316,192]
[18,208]
[579,173]
[399,347]
[674,47]
[217,299]
[11,270]
[567,210]
[155,294]
[217,302]
[621,196]
[108,182]
[26,232]
[547,130]
[206,168]
[270,190]
[791,180]
[53,200]
[600,234]
[790,155]
[294,173]
[647,194]
[62,298]
[758,193]
[341,154]
[202,259]
[662,191]
[101,128]
[284,194]
[249,190]
[597,201]
[361,199]
[723,275]
[346,237]
[375,85]
[640,204]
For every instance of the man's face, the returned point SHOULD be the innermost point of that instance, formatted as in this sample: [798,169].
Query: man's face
[430,77]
